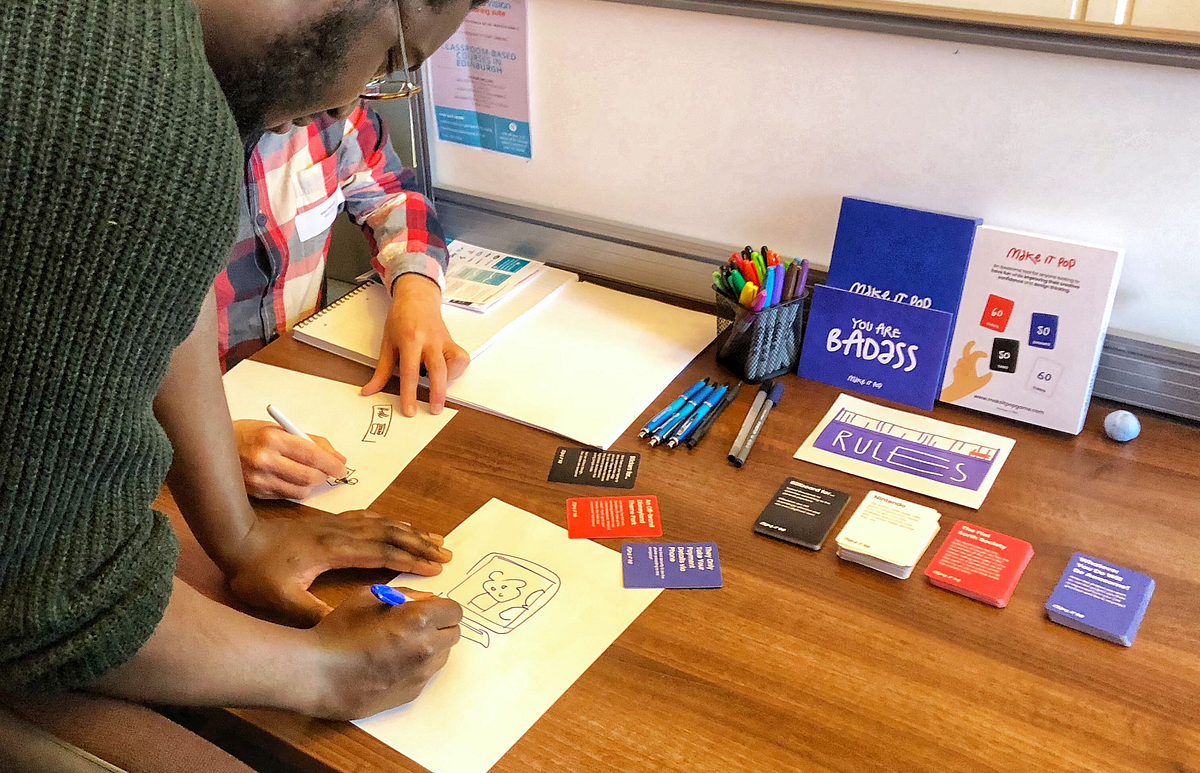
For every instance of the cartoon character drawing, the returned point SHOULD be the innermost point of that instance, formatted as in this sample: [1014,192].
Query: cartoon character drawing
[497,589]
[500,593]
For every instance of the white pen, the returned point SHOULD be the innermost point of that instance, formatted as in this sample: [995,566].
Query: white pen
[287,424]
[292,429]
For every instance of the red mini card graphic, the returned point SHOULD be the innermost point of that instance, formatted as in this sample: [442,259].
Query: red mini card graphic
[996,313]
[980,563]
[613,517]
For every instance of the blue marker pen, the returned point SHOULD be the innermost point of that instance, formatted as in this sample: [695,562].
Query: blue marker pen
[671,409]
[388,595]
[664,430]
[688,426]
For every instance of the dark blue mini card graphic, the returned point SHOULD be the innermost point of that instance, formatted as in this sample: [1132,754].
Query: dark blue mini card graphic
[1101,598]
[1043,331]
[671,565]
[875,347]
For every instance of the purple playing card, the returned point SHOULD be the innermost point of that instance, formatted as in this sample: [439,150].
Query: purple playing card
[1100,598]
[671,565]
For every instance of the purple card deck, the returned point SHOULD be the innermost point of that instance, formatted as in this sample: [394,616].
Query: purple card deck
[1101,599]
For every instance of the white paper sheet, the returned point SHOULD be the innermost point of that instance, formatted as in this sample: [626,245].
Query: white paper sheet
[586,364]
[371,432]
[931,457]
[538,610]
[572,358]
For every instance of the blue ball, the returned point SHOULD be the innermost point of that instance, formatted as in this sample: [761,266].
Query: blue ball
[1122,426]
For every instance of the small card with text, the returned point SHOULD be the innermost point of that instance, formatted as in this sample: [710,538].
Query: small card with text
[613,517]
[671,565]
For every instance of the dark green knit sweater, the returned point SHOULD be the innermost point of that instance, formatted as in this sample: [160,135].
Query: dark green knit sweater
[119,169]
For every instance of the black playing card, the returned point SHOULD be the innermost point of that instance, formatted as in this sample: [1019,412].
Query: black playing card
[1004,355]
[583,466]
[802,513]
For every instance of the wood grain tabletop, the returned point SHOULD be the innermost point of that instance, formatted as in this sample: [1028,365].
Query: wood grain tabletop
[804,662]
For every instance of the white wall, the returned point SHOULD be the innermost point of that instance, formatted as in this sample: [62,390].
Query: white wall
[737,130]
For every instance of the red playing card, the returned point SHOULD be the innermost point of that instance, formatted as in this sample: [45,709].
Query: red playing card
[996,313]
[980,563]
[613,517]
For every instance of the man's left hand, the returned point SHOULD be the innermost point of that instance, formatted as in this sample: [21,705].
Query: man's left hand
[415,335]
[279,558]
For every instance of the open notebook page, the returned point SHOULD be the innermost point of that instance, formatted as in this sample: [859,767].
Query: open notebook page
[353,326]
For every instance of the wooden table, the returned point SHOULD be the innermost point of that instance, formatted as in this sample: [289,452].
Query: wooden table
[804,662]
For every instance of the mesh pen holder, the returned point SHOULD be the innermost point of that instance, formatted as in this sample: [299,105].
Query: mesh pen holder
[760,344]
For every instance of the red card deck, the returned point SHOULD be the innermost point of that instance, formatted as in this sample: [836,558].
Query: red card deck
[613,517]
[980,564]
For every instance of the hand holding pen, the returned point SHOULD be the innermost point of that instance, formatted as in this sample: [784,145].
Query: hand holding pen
[280,464]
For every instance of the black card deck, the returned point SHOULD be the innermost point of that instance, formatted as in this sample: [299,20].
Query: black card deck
[585,467]
[802,513]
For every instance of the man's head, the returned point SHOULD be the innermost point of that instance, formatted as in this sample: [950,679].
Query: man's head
[281,61]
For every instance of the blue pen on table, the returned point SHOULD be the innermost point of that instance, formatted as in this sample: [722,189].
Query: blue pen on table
[672,409]
[388,595]
[685,429]
[688,409]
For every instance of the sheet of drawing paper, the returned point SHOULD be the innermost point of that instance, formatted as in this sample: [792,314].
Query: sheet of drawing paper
[931,457]
[538,609]
[371,432]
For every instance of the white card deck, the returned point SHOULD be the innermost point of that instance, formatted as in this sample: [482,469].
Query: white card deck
[888,534]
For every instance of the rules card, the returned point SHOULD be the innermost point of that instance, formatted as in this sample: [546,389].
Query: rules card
[671,565]
[583,466]
[613,517]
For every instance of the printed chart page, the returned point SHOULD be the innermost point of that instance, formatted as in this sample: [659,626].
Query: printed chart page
[538,609]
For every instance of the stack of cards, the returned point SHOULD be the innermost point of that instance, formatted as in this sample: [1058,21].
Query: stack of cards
[671,565]
[980,564]
[1100,598]
[802,513]
[888,534]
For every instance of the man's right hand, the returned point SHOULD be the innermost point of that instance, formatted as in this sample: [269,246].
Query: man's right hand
[376,656]
[277,465]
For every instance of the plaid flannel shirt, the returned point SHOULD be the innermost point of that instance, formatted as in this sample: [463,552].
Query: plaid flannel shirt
[276,273]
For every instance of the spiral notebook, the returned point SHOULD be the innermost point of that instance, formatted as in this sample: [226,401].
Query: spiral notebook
[568,357]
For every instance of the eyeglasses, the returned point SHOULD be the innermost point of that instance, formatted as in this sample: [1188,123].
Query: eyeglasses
[394,84]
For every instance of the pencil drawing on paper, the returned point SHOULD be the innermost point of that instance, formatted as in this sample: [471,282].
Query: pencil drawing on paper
[347,480]
[500,593]
[381,422]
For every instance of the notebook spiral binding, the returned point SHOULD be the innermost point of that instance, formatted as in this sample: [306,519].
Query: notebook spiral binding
[314,317]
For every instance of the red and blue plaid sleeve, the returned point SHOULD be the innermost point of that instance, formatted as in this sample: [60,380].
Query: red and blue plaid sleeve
[382,198]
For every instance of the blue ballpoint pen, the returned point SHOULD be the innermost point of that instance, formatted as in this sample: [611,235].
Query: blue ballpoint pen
[388,595]
[692,404]
[672,409]
[685,429]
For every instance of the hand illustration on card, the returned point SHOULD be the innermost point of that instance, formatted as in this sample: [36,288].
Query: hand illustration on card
[500,593]
[966,378]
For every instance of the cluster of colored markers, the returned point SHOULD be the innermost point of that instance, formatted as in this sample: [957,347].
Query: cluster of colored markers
[759,280]
[687,419]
